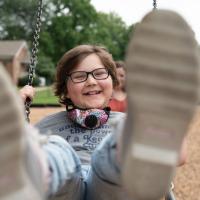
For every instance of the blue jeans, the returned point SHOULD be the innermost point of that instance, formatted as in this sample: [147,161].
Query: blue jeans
[72,181]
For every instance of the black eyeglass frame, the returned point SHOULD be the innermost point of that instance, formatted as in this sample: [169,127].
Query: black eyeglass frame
[87,74]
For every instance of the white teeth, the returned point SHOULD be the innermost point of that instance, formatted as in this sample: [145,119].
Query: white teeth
[92,93]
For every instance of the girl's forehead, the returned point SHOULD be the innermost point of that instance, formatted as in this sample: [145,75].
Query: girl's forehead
[120,70]
[89,63]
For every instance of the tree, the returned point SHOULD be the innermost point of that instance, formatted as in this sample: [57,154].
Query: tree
[113,33]
[71,24]
[77,22]
[66,23]
[46,68]
[17,18]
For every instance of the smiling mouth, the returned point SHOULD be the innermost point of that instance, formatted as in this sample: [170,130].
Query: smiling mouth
[92,93]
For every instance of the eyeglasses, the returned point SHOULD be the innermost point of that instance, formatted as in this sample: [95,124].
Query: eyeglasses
[81,76]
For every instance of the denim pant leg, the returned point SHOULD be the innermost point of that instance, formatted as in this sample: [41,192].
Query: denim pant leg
[104,182]
[66,180]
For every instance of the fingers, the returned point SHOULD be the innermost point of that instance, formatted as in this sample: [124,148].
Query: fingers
[27,92]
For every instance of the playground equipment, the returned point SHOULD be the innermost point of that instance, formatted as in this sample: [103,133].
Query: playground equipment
[33,63]
[33,59]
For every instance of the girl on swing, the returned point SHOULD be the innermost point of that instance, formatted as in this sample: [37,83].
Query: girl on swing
[89,152]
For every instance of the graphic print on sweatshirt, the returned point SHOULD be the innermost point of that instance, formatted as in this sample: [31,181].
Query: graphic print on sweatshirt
[81,138]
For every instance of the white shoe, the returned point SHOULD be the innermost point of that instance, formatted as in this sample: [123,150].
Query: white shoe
[15,182]
[162,84]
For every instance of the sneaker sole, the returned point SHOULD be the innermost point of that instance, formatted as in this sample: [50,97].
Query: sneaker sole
[14,181]
[162,76]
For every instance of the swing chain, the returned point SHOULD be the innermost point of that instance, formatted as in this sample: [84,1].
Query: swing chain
[33,59]
[170,195]
[154,4]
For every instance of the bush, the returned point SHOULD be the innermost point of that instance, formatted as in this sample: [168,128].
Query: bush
[24,81]
[46,68]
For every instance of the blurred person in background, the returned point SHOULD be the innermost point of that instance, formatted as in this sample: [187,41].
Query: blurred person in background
[119,101]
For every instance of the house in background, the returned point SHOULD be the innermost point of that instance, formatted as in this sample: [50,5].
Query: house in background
[15,56]
[1,65]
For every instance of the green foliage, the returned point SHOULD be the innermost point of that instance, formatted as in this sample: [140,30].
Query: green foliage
[70,25]
[66,23]
[112,32]
[45,68]
[17,17]
[24,80]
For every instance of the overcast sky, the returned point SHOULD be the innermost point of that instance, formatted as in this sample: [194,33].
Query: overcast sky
[132,11]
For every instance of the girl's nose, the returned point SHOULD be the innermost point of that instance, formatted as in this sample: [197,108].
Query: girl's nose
[91,79]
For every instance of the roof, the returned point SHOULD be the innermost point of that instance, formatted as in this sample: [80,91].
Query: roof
[9,48]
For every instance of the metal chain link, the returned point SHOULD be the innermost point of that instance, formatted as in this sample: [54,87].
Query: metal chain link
[34,51]
[154,4]
[170,194]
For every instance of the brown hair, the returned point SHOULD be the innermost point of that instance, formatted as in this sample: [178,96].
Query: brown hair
[72,58]
[120,64]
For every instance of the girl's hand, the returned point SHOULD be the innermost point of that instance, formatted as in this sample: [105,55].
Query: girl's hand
[27,92]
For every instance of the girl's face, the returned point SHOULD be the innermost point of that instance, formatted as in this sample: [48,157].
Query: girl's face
[121,76]
[91,93]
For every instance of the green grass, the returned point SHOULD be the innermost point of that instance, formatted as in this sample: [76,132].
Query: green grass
[45,97]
